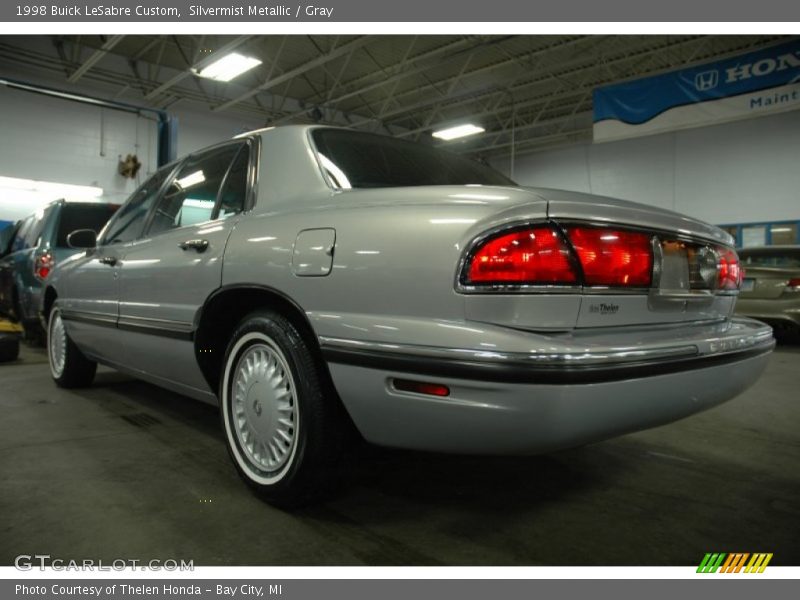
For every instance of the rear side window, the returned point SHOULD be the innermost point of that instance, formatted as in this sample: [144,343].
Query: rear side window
[127,224]
[76,216]
[34,232]
[192,195]
[234,189]
[18,243]
[788,258]
[353,159]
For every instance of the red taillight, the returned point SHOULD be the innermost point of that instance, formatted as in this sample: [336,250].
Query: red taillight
[613,258]
[729,275]
[793,285]
[421,387]
[43,265]
[531,256]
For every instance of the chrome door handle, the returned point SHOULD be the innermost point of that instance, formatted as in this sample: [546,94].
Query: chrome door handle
[109,260]
[199,245]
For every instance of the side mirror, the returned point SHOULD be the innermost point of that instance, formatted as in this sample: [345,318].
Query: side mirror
[82,239]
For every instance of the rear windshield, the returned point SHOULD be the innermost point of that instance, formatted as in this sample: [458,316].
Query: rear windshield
[354,159]
[779,258]
[82,216]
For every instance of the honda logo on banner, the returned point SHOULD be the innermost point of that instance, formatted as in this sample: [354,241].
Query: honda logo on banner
[761,82]
[707,80]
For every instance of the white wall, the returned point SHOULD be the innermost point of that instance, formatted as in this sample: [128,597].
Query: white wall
[198,129]
[740,172]
[49,139]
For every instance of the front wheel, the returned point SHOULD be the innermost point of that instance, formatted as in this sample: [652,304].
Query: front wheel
[68,366]
[282,421]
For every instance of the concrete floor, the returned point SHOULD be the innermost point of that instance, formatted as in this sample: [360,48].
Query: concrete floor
[126,470]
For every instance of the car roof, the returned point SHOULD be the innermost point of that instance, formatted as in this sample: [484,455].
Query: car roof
[767,248]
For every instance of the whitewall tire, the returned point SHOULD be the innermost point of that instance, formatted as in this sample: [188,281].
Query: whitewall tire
[282,422]
[68,365]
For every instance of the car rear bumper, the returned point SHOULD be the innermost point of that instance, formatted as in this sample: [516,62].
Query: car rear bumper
[9,341]
[9,330]
[503,403]
[775,311]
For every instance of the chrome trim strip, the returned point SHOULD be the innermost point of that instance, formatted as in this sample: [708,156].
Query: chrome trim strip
[549,359]
[88,316]
[716,346]
[133,320]
[159,327]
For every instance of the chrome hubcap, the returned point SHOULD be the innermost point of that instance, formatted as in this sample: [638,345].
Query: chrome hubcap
[57,344]
[264,408]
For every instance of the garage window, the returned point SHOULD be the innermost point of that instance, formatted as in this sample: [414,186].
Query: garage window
[783,233]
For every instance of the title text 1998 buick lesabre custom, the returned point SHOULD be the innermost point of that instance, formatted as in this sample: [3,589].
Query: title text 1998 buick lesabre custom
[308,277]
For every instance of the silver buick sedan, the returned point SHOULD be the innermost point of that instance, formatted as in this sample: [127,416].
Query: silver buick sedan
[309,279]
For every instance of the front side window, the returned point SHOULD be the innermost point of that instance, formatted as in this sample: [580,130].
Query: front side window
[127,224]
[192,195]
[353,159]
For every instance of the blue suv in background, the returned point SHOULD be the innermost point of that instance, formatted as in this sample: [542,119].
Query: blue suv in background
[33,248]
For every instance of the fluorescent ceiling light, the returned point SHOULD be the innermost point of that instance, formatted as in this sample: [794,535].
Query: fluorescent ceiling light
[50,187]
[451,221]
[191,179]
[478,196]
[197,203]
[229,66]
[781,229]
[459,131]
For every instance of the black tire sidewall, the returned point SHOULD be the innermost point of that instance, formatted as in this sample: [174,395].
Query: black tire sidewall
[78,370]
[59,379]
[9,350]
[296,476]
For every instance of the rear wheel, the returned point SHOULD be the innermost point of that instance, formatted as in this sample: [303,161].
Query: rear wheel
[283,428]
[68,366]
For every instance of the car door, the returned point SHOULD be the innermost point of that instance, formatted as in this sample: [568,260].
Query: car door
[166,276]
[90,302]
[20,265]
[9,237]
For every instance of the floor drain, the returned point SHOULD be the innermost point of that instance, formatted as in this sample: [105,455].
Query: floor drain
[141,420]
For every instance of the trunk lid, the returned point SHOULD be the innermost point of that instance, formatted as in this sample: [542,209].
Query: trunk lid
[671,300]
[564,206]
[674,297]
[764,283]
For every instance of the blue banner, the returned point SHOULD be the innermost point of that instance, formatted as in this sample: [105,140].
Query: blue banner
[654,103]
